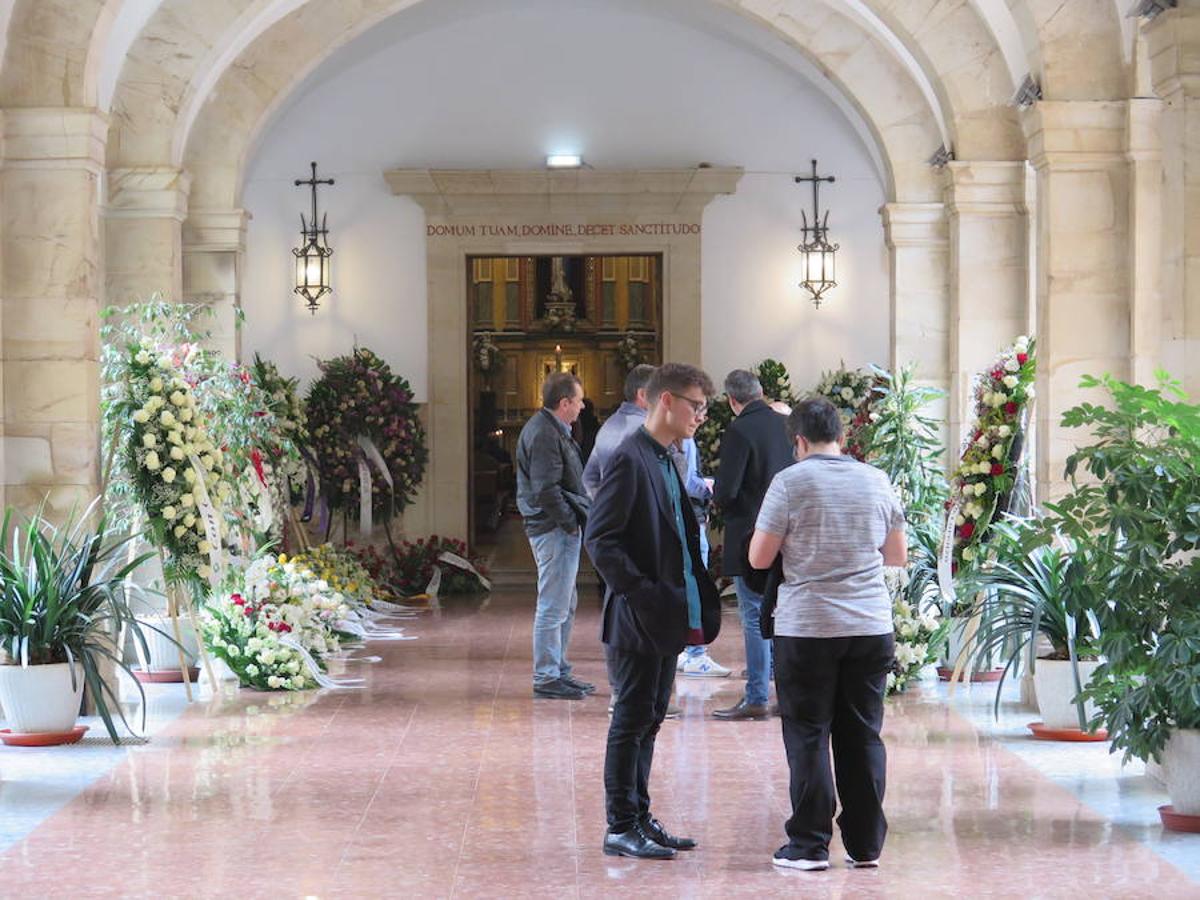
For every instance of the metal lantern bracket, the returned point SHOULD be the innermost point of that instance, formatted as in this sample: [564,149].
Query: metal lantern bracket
[315,247]
[815,242]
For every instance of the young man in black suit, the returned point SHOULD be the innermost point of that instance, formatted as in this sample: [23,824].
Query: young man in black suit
[644,541]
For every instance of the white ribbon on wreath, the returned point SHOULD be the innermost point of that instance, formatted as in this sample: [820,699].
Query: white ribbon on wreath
[366,483]
[212,524]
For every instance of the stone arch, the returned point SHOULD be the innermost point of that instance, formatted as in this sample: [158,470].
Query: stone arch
[47,59]
[224,133]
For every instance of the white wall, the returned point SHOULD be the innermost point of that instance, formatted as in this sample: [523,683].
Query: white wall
[502,83]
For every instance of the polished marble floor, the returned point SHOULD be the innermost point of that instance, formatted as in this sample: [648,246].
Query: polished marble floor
[444,778]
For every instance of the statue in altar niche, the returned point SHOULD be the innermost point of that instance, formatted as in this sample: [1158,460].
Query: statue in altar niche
[560,301]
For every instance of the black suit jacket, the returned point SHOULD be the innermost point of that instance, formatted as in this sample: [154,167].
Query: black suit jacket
[754,448]
[633,543]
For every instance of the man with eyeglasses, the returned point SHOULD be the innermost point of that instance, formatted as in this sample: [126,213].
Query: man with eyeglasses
[754,448]
[694,661]
[644,541]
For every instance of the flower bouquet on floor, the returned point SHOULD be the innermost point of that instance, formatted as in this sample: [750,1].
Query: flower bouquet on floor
[438,563]
[345,572]
[250,643]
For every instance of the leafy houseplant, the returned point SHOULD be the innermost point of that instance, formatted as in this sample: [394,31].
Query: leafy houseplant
[1140,511]
[1041,594]
[63,597]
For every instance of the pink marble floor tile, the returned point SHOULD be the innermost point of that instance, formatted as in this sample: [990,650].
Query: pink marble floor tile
[445,778]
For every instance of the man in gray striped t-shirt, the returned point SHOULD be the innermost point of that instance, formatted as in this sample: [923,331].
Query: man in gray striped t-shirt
[837,523]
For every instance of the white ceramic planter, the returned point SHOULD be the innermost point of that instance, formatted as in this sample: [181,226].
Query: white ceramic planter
[164,656]
[957,643]
[1054,685]
[1181,766]
[40,698]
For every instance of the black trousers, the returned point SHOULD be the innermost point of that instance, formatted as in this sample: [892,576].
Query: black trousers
[832,689]
[641,687]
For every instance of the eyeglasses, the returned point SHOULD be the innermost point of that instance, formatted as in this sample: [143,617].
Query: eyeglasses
[699,407]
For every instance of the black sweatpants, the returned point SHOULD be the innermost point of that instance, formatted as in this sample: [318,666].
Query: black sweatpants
[831,690]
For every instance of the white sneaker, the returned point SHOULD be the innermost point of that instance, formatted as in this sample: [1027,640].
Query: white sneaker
[862,863]
[703,666]
[804,865]
[681,661]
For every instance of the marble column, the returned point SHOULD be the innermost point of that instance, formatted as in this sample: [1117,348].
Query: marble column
[918,245]
[1146,251]
[989,273]
[214,244]
[1083,310]
[143,255]
[1173,42]
[50,292]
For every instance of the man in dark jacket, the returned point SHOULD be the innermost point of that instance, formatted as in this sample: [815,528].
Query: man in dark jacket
[754,448]
[644,541]
[554,506]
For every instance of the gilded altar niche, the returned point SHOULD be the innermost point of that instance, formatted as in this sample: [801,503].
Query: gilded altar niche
[559,312]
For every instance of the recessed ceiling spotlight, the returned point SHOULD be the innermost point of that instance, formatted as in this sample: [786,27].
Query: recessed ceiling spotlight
[564,161]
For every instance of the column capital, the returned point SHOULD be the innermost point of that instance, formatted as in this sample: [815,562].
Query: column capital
[914,224]
[148,192]
[1076,134]
[55,138]
[1173,43]
[985,188]
[215,230]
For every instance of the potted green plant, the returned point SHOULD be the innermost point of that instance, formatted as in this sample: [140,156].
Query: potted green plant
[1139,510]
[63,601]
[1041,615]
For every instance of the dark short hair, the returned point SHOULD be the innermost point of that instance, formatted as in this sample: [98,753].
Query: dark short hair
[558,386]
[638,378]
[743,386]
[816,420]
[676,378]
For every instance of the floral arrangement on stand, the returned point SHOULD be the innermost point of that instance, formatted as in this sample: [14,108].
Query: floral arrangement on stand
[988,468]
[416,561]
[852,392]
[486,353]
[365,432]
[173,469]
[776,382]
[282,397]
[628,351]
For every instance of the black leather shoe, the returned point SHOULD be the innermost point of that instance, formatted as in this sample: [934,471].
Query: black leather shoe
[655,831]
[637,844]
[586,686]
[742,710]
[558,690]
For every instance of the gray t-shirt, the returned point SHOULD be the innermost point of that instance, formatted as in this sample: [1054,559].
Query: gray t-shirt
[834,514]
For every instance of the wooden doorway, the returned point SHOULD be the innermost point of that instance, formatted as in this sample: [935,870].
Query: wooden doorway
[529,316]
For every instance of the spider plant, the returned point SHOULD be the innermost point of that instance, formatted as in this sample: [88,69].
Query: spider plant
[64,598]
[1038,590]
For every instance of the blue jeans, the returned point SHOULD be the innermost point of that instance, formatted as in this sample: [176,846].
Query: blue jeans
[700,649]
[557,557]
[758,650]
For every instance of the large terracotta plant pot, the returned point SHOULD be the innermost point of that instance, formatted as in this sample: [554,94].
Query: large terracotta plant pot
[1054,684]
[40,699]
[1181,766]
